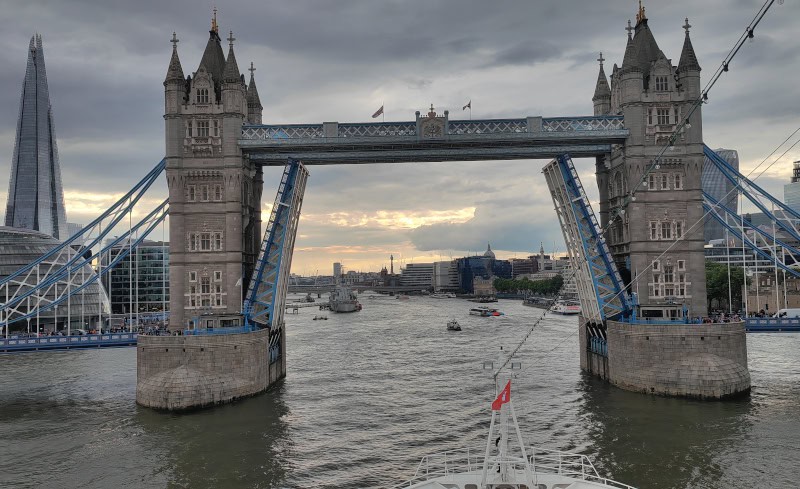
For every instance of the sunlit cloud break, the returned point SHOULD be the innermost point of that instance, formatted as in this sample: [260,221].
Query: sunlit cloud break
[407,219]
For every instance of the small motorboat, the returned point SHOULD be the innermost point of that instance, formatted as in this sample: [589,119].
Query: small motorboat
[453,325]
[485,312]
[320,318]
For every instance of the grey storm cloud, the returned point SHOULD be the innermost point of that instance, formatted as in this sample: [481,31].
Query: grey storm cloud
[341,60]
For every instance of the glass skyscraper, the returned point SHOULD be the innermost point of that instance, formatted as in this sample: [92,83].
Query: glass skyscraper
[791,191]
[715,184]
[35,196]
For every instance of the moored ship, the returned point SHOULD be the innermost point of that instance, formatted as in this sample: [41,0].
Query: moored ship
[540,302]
[343,299]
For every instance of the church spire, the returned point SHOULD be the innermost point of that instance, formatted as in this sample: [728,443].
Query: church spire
[174,72]
[688,59]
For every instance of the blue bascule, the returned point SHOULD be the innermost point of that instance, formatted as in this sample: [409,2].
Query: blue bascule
[601,290]
[600,287]
[265,301]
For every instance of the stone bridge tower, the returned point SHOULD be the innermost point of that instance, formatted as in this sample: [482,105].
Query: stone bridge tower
[214,192]
[654,96]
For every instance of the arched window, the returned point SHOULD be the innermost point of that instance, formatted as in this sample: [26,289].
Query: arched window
[618,183]
[202,95]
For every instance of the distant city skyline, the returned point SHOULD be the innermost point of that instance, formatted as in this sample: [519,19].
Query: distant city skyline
[106,90]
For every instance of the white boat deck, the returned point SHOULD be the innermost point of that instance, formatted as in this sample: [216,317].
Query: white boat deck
[462,469]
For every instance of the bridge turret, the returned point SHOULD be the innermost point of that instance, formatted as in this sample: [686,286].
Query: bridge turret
[174,83]
[689,67]
[654,96]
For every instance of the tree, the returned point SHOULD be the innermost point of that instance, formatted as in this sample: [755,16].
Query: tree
[717,284]
[539,287]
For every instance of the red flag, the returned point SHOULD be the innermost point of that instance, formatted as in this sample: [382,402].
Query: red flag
[504,397]
[378,112]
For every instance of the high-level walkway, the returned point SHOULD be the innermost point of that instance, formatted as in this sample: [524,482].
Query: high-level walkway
[432,138]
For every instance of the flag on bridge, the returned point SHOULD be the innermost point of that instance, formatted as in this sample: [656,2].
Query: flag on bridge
[502,398]
[378,112]
[468,106]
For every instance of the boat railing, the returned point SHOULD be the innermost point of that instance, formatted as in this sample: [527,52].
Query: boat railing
[541,460]
[568,464]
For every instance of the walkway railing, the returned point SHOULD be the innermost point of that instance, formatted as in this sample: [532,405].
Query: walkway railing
[18,343]
[530,125]
[772,325]
[218,331]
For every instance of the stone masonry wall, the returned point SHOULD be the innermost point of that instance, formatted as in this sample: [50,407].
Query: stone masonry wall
[184,372]
[707,361]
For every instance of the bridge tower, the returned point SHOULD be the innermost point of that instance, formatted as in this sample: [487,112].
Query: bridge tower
[654,96]
[214,191]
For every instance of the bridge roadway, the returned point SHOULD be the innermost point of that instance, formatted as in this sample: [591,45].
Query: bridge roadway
[432,138]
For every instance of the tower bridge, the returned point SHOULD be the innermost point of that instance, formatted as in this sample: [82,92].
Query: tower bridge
[222,264]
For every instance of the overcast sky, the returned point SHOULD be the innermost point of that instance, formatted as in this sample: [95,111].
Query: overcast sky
[340,60]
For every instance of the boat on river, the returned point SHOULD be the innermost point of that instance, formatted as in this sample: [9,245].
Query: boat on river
[484,312]
[538,302]
[343,299]
[566,308]
[507,462]
[448,295]
[453,325]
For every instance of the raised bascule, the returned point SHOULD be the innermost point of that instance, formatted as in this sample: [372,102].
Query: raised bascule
[639,267]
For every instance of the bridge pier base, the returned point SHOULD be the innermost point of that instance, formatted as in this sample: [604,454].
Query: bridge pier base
[178,373]
[703,361]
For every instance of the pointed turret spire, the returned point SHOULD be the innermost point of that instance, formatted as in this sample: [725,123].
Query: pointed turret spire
[252,91]
[688,59]
[629,58]
[254,106]
[174,72]
[231,74]
[602,92]
[35,195]
[601,89]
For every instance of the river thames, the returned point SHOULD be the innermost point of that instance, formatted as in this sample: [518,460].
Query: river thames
[368,394]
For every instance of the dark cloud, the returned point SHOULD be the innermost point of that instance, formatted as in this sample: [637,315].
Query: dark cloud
[341,60]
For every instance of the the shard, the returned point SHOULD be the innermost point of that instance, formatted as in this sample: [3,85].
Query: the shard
[35,195]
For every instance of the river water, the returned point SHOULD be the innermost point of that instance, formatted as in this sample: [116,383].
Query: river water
[368,394]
